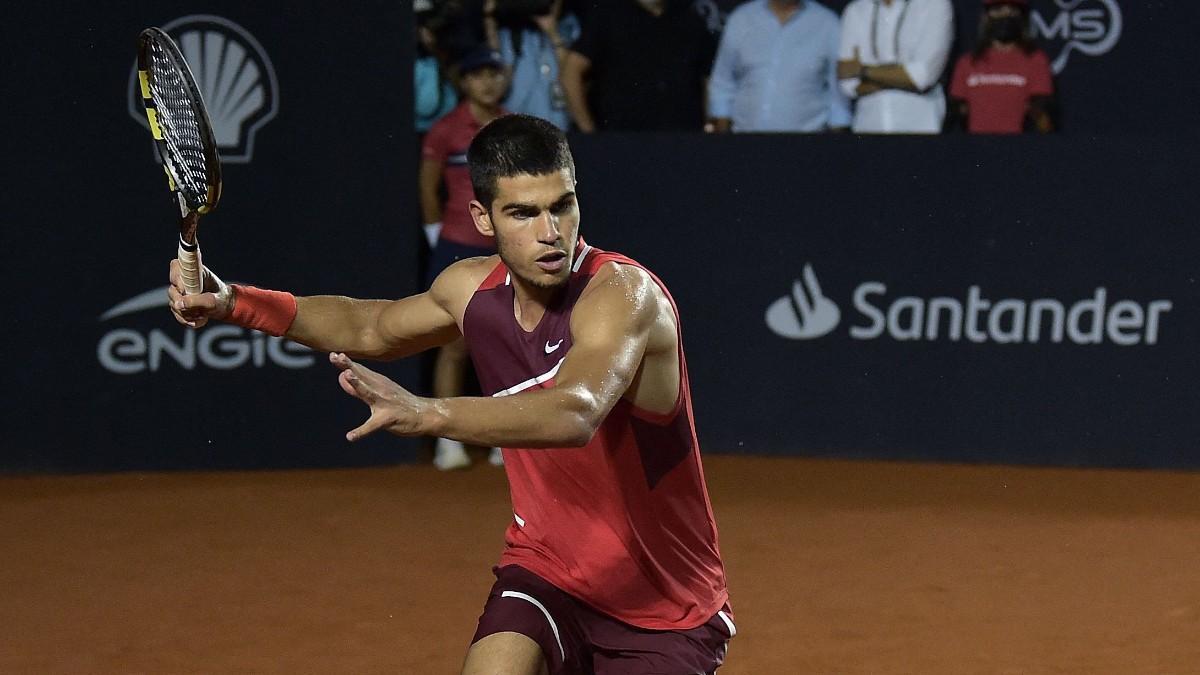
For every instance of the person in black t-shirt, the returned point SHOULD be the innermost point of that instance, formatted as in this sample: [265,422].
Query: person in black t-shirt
[647,61]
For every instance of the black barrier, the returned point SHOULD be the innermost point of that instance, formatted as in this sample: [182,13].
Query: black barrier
[1023,300]
[312,108]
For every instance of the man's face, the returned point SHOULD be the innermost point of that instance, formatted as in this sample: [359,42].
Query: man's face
[485,86]
[535,220]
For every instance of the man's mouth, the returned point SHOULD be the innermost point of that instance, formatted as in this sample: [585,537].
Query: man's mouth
[552,261]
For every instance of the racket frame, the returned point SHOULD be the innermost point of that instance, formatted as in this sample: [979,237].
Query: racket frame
[188,251]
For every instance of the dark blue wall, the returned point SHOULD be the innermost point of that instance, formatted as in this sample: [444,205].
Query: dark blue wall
[730,224]
[322,206]
[326,205]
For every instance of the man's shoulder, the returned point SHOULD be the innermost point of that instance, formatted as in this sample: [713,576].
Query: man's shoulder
[449,122]
[622,277]
[744,11]
[458,282]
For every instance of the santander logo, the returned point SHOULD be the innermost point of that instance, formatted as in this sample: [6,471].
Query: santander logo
[806,313]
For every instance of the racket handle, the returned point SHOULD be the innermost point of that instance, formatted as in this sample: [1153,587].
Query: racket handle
[189,266]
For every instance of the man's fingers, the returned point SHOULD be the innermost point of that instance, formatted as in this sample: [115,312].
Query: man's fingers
[350,384]
[346,363]
[373,424]
[340,360]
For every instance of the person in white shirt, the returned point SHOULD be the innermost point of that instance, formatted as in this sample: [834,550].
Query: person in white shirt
[892,56]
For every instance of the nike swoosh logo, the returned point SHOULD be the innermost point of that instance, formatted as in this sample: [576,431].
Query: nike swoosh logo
[551,350]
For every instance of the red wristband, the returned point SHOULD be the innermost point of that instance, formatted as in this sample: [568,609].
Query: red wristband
[271,312]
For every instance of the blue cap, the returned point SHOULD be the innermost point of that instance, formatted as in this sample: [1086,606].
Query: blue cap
[480,57]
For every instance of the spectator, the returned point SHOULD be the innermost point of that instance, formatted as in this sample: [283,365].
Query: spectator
[776,70]
[1005,84]
[449,227]
[648,60]
[893,55]
[534,48]
[434,92]
[715,13]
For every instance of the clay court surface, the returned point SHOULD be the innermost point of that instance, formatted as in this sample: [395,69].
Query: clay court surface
[834,567]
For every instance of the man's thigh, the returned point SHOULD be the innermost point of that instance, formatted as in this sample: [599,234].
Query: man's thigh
[527,615]
[505,654]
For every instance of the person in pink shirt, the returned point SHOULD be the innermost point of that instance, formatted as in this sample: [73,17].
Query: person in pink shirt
[1005,85]
[449,227]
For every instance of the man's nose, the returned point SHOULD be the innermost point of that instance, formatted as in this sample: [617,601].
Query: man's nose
[547,229]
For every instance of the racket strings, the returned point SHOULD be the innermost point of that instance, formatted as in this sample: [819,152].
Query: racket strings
[180,125]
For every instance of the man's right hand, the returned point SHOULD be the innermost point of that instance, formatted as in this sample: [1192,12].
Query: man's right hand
[216,302]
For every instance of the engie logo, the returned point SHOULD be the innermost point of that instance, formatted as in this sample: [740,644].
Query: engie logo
[219,346]
[1091,27]
[806,314]
[235,77]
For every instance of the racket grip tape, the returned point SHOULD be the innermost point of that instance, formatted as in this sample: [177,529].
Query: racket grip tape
[189,267]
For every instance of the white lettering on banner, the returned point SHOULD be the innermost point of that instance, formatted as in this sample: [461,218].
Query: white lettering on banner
[1009,321]
[1091,27]
[221,347]
[807,314]
[996,80]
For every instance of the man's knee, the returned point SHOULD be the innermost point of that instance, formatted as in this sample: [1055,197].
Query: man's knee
[505,654]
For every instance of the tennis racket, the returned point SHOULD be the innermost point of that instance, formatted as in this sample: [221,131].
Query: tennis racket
[187,147]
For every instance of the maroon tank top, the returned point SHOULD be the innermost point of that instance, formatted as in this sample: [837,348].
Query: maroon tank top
[624,523]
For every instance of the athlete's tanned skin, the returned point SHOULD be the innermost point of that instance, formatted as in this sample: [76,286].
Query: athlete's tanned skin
[625,345]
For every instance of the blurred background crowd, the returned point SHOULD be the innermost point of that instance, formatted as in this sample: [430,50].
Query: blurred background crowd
[782,66]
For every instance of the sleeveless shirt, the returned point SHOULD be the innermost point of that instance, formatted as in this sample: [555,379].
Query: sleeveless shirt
[624,523]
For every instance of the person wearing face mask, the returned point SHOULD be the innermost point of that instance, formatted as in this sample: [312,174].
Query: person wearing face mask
[1005,84]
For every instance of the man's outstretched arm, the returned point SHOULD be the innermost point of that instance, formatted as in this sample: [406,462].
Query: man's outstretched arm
[610,328]
[374,329]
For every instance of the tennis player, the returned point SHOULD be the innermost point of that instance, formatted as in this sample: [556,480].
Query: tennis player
[611,563]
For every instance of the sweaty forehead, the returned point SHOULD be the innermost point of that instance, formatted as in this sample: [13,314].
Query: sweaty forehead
[534,189]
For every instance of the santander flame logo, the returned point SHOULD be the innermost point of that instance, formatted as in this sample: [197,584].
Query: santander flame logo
[806,313]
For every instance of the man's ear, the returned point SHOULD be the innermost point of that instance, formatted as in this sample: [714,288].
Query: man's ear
[482,218]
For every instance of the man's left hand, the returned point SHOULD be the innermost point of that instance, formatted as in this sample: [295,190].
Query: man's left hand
[393,408]
[850,68]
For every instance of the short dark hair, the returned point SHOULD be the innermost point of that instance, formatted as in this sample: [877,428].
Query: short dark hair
[513,145]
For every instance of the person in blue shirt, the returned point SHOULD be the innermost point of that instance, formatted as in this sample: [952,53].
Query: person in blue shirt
[534,48]
[776,70]
[434,93]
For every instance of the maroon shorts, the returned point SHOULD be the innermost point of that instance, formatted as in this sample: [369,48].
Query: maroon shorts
[578,640]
